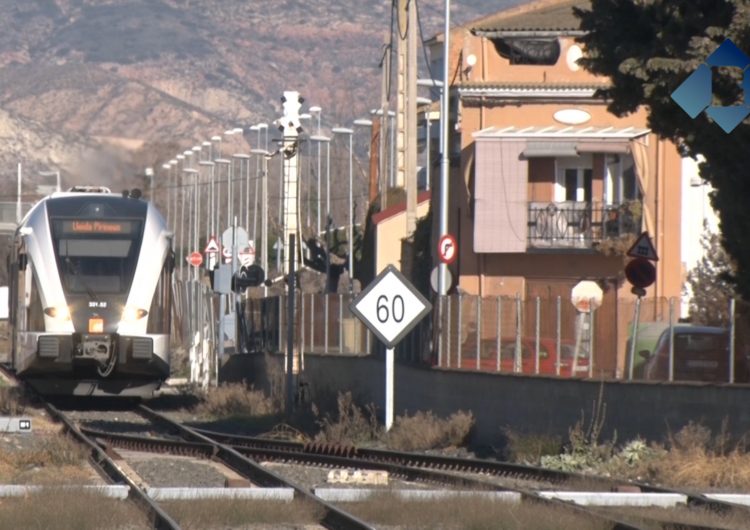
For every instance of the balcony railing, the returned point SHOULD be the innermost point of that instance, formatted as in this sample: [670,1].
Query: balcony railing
[572,224]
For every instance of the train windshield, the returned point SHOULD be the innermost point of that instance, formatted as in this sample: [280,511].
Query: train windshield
[97,256]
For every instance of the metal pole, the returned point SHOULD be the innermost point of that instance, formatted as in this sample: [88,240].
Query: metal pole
[671,340]
[479,329]
[536,325]
[388,388]
[351,218]
[18,195]
[459,334]
[592,335]
[558,332]
[634,337]
[498,338]
[732,303]
[444,155]
[290,332]
[517,351]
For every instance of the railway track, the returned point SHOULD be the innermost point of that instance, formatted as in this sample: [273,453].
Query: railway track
[242,454]
[457,473]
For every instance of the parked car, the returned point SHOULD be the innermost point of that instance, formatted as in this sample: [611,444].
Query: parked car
[547,356]
[701,353]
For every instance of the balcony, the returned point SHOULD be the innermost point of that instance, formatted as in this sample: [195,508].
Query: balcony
[580,225]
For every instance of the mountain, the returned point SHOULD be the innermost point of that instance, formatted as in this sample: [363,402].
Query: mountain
[101,89]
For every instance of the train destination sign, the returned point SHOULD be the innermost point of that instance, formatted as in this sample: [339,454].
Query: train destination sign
[96,226]
[390,306]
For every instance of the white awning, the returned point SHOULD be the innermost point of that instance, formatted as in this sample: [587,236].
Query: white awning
[535,149]
[563,132]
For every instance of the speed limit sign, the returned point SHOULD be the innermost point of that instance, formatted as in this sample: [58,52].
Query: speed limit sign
[390,306]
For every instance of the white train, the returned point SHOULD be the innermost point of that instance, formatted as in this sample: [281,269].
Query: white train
[90,294]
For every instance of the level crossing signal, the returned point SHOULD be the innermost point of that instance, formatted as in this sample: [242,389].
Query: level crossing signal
[251,276]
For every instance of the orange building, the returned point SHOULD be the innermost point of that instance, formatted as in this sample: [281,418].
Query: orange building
[547,188]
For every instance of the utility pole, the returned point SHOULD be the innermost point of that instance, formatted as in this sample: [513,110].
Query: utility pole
[406,174]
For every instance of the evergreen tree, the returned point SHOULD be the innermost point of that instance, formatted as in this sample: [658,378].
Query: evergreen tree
[648,48]
[709,283]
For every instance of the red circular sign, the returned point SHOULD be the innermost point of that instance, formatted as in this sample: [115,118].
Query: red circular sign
[195,259]
[447,249]
[640,272]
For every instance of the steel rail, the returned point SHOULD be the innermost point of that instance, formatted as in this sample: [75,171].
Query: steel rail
[401,470]
[109,470]
[334,517]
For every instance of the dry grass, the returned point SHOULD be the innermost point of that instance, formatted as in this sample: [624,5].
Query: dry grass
[698,459]
[353,426]
[425,431]
[51,459]
[70,510]
[467,513]
[235,400]
[530,448]
[13,402]
[225,513]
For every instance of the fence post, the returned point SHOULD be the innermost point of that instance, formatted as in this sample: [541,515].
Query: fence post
[499,329]
[301,325]
[537,331]
[670,376]
[440,328]
[592,335]
[479,328]
[341,323]
[312,322]
[558,334]
[731,340]
[448,331]
[327,322]
[517,352]
[459,331]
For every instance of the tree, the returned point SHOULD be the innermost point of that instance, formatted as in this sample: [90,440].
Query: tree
[648,48]
[709,283]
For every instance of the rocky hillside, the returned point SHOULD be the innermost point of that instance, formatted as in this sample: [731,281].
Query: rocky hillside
[100,88]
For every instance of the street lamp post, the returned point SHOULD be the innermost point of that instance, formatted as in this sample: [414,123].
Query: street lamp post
[221,162]
[264,156]
[210,217]
[318,111]
[244,185]
[364,122]
[350,132]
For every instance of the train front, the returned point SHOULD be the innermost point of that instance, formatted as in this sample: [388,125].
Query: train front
[100,267]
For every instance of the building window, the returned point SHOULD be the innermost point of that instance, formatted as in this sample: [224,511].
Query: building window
[621,180]
[574,179]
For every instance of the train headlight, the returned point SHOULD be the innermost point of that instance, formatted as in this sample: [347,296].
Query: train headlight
[131,314]
[60,312]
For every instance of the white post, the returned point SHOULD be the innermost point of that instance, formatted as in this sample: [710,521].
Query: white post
[18,201]
[388,388]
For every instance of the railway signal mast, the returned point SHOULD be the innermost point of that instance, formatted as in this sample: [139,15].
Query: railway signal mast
[290,127]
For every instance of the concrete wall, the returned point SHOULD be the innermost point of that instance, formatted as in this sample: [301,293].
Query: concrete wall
[526,404]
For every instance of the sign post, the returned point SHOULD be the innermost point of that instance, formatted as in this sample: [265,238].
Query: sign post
[390,307]
[641,273]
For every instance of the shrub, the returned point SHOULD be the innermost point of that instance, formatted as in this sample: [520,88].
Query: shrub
[530,448]
[353,426]
[425,431]
[235,399]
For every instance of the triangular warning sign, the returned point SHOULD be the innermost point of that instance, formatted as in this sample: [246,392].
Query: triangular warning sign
[212,246]
[643,248]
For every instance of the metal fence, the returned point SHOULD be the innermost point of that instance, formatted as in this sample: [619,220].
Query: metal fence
[194,328]
[536,335]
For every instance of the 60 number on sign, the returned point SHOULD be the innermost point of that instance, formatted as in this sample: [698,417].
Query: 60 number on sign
[383,312]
